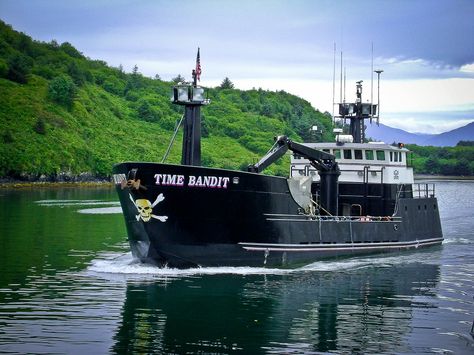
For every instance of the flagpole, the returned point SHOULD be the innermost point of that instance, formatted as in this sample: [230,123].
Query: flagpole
[197,70]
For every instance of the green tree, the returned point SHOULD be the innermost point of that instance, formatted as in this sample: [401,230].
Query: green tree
[114,85]
[465,144]
[432,165]
[70,50]
[25,44]
[121,72]
[76,73]
[40,126]
[147,112]
[3,68]
[19,66]
[62,90]
[178,79]
[226,84]
[54,44]
[134,80]
[462,168]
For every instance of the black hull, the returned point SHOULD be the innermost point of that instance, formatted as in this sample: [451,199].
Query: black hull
[214,217]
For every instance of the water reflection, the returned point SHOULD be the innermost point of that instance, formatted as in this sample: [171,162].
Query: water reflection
[364,310]
[68,285]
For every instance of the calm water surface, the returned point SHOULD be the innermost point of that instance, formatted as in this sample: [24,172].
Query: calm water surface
[69,285]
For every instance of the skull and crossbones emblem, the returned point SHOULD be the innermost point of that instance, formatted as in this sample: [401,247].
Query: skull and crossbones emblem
[145,208]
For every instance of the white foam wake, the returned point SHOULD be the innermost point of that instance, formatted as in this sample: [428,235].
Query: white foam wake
[126,265]
[101,210]
[66,203]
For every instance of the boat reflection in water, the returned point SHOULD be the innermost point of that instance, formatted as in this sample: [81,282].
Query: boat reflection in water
[368,309]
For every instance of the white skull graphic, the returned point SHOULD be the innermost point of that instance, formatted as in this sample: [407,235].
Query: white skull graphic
[145,208]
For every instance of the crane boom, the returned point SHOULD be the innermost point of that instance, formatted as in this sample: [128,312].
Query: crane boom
[320,160]
[323,162]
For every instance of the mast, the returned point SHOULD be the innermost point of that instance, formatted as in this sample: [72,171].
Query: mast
[378,71]
[191,96]
[356,113]
[357,121]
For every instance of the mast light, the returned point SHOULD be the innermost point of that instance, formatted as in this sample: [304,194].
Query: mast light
[185,94]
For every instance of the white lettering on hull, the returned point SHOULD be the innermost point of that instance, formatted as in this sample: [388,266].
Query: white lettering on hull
[169,180]
[213,182]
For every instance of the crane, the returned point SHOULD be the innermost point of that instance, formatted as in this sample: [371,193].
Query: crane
[323,162]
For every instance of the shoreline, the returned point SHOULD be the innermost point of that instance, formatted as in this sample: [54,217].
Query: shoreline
[443,177]
[18,184]
[51,184]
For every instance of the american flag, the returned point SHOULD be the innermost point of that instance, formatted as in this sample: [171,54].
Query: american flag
[198,66]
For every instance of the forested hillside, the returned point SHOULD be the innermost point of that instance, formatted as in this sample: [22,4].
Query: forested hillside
[63,115]
[455,161]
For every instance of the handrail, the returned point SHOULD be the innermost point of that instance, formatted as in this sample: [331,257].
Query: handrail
[358,218]
[423,190]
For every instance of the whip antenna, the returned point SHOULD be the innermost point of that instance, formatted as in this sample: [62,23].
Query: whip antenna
[372,85]
[334,84]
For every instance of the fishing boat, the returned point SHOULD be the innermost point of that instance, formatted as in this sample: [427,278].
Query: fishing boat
[340,199]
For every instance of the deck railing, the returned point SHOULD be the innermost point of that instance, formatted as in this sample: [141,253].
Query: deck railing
[423,190]
[313,217]
[358,218]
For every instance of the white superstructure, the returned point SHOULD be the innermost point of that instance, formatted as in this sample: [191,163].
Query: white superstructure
[360,163]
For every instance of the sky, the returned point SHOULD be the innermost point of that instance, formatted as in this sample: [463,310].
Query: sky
[424,47]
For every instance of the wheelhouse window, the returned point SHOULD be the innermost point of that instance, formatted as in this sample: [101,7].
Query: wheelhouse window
[400,155]
[369,155]
[391,156]
[380,154]
[337,153]
[358,154]
[396,157]
[347,154]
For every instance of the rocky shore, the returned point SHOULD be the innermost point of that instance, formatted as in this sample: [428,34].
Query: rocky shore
[62,179]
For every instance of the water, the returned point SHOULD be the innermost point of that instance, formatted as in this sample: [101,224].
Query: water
[69,285]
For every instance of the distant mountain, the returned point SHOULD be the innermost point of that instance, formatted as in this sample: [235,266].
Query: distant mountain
[389,135]
[451,138]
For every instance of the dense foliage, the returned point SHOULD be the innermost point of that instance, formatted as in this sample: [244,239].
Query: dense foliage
[455,161]
[61,112]
[465,144]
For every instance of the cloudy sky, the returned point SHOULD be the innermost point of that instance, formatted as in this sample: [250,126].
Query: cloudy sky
[425,47]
